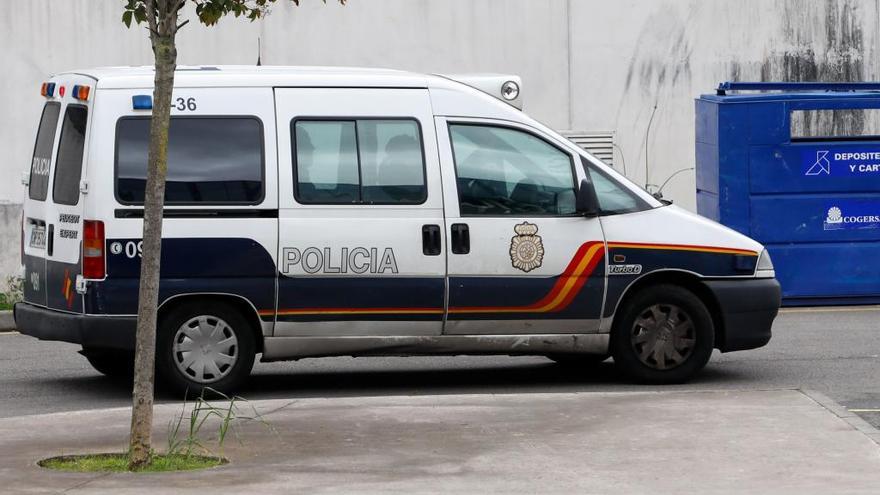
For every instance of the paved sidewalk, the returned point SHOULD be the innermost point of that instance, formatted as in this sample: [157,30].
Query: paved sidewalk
[782,441]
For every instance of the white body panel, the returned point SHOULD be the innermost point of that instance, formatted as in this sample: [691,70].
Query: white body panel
[336,231]
[674,225]
[62,222]
[490,261]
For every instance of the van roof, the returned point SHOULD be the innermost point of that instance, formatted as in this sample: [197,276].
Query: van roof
[250,75]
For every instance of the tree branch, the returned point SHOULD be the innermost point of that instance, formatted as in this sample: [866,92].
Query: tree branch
[151,17]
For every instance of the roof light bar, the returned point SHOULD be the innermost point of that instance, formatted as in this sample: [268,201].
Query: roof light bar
[81,92]
[142,102]
[48,89]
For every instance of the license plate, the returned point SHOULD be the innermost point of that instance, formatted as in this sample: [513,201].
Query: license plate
[38,237]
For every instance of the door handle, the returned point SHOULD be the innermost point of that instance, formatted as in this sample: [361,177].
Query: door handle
[461,238]
[431,240]
[50,242]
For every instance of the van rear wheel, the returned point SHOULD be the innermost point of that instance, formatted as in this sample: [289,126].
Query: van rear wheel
[663,334]
[203,347]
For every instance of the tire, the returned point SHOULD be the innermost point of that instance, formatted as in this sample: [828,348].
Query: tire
[579,359]
[649,349]
[112,363]
[218,362]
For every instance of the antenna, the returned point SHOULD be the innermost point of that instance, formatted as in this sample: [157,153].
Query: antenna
[259,52]
[647,151]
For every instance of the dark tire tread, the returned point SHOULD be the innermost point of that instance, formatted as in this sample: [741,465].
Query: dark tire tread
[624,355]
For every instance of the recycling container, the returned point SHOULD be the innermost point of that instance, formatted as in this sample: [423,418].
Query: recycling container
[796,166]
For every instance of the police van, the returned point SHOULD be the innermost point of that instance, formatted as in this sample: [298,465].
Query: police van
[325,211]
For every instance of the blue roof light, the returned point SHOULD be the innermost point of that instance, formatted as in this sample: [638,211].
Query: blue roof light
[142,102]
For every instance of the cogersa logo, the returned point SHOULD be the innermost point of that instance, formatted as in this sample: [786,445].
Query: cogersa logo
[834,215]
[837,219]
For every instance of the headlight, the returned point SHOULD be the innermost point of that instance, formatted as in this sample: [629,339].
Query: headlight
[765,266]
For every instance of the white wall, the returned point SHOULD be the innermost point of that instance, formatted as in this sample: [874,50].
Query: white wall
[586,64]
[636,54]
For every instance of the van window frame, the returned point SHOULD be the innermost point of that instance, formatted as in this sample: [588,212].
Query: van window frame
[52,148]
[346,118]
[60,139]
[501,125]
[257,202]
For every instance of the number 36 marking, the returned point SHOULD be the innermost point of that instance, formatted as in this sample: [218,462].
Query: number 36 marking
[185,104]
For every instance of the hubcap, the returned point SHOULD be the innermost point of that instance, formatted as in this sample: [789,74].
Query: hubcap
[205,349]
[663,336]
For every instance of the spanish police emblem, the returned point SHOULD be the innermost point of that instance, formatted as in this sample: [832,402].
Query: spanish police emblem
[526,248]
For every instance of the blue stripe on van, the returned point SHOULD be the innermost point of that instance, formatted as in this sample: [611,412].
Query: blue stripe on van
[235,266]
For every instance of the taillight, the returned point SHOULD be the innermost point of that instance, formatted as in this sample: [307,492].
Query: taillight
[93,249]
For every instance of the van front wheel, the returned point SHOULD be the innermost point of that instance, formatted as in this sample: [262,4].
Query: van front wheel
[204,347]
[663,334]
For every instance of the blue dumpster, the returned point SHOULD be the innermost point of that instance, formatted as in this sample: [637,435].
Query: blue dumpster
[765,168]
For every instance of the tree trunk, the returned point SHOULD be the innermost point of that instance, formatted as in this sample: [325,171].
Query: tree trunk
[162,37]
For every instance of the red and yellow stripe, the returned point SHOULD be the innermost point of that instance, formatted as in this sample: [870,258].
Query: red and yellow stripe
[563,292]
[681,247]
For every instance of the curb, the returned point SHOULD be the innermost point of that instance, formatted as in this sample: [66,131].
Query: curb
[7,322]
[851,418]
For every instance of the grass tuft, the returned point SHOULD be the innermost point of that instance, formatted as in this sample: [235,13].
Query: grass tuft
[118,463]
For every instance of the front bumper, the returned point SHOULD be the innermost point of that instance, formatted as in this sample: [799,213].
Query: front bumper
[748,307]
[106,332]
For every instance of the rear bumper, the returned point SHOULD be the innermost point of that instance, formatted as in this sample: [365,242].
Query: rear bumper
[107,332]
[748,308]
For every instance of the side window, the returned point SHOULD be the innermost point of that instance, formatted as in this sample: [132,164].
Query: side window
[503,171]
[613,197]
[376,161]
[211,160]
[38,186]
[68,164]
[327,162]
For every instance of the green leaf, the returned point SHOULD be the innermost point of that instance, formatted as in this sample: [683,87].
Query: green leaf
[140,14]
[126,18]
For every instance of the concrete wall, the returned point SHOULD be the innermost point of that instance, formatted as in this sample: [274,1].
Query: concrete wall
[587,64]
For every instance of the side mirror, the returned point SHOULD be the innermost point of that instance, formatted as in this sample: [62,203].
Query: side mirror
[587,203]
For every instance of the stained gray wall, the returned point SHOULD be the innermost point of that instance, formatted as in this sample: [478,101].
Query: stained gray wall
[587,64]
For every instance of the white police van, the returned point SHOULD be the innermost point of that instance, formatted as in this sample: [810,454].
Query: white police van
[320,212]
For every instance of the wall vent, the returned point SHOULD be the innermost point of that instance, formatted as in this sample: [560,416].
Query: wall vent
[599,143]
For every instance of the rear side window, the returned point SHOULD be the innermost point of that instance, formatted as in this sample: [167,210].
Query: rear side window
[211,160]
[38,186]
[68,164]
[370,161]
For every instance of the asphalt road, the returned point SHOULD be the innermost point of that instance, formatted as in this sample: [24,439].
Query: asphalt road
[833,351]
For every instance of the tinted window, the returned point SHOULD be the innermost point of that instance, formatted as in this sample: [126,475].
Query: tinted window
[504,171]
[39,182]
[359,161]
[614,197]
[327,162]
[68,164]
[210,160]
[392,170]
